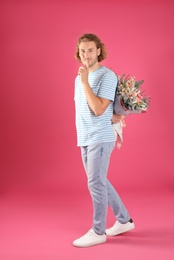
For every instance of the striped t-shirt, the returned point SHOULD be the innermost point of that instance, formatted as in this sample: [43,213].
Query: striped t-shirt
[93,129]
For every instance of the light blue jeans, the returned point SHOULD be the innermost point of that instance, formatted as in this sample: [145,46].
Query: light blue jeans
[96,162]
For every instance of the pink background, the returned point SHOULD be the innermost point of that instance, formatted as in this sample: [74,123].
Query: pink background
[38,135]
[37,83]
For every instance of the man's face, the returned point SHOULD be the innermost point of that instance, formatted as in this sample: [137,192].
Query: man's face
[88,53]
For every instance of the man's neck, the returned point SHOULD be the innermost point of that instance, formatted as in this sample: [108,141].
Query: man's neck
[94,67]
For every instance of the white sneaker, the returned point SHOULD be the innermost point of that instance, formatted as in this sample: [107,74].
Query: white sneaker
[89,239]
[119,228]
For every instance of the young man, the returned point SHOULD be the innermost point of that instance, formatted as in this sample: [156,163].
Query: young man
[95,88]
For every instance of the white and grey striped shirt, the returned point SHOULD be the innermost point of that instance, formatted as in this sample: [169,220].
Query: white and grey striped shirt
[93,129]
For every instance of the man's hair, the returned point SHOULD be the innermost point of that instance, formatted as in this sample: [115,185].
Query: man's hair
[88,37]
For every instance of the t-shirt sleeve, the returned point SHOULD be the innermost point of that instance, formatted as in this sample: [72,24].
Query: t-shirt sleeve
[108,86]
[75,86]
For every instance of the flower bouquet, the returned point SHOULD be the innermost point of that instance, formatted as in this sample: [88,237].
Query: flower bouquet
[129,99]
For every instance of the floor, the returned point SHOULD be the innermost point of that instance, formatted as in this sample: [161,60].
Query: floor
[42,225]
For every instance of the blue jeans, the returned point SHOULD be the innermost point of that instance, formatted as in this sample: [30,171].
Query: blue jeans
[96,162]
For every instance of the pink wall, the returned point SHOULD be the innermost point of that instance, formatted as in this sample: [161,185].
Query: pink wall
[38,137]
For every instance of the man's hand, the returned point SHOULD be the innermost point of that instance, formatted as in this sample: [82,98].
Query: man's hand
[117,118]
[83,72]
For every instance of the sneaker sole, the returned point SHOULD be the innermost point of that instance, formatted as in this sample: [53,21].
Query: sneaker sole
[88,245]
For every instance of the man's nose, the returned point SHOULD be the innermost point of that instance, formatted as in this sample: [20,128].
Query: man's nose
[86,54]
